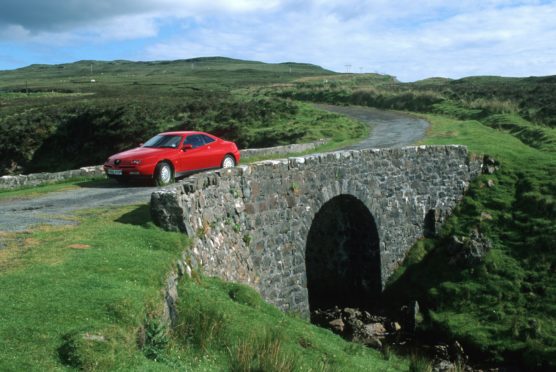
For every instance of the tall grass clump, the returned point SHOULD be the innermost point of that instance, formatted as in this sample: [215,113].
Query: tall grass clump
[262,353]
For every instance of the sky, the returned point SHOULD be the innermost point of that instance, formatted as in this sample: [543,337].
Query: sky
[406,38]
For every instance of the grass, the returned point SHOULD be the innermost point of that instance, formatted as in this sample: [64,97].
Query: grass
[29,192]
[101,278]
[161,76]
[501,309]
[227,326]
[89,297]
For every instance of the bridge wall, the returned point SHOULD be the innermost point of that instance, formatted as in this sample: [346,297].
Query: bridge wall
[250,224]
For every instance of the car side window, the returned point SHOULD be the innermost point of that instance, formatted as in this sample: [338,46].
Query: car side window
[207,139]
[194,140]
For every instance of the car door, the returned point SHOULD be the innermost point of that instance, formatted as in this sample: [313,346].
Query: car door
[195,157]
[213,151]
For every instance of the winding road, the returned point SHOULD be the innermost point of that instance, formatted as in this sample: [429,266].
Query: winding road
[389,129]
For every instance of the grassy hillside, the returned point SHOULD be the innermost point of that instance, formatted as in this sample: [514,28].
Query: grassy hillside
[89,297]
[211,73]
[501,308]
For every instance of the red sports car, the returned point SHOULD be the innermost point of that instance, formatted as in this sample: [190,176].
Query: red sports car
[170,155]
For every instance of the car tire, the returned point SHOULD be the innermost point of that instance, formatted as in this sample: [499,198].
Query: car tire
[228,162]
[163,174]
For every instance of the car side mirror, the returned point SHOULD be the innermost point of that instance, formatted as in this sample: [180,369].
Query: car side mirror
[141,144]
[187,146]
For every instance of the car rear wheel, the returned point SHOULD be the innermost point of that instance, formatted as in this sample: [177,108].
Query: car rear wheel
[228,162]
[163,174]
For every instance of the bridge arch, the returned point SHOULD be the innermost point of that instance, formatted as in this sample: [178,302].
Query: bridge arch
[342,255]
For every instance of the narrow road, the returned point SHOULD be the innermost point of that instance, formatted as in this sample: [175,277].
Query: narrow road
[389,129]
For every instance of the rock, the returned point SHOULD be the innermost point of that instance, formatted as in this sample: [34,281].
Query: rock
[490,183]
[373,342]
[337,325]
[490,165]
[468,251]
[376,330]
[457,354]
[362,335]
[486,216]
[444,366]
[352,313]
[396,327]
[441,352]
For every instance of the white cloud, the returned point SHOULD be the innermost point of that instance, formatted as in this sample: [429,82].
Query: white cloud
[406,38]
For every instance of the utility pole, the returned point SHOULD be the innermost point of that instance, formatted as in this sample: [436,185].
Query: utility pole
[348,67]
[91,69]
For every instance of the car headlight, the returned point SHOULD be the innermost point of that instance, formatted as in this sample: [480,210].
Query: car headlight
[136,162]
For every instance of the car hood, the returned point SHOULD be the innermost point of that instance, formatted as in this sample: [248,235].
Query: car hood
[139,153]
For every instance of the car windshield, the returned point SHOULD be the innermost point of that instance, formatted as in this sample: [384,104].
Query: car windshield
[163,141]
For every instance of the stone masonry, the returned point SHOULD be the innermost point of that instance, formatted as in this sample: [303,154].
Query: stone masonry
[250,224]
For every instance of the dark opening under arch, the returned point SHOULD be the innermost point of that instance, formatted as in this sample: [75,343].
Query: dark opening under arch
[342,256]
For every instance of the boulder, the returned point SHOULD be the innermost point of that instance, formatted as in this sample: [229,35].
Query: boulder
[468,251]
[337,325]
[490,165]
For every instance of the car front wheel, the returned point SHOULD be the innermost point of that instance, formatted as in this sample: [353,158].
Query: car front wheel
[163,174]
[228,162]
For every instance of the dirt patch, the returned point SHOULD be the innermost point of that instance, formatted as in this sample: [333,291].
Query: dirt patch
[79,246]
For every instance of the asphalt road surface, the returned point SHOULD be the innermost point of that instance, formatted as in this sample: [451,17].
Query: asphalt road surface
[389,129]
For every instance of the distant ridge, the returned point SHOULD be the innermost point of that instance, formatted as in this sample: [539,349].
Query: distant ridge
[216,62]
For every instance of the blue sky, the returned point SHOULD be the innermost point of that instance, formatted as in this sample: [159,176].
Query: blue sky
[408,39]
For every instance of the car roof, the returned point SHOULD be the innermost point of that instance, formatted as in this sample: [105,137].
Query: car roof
[183,133]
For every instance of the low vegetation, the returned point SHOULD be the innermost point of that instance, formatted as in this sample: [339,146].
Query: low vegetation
[55,118]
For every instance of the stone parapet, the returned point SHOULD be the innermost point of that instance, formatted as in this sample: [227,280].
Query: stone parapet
[281,150]
[36,179]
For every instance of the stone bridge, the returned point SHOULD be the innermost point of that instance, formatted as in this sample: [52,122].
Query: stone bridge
[318,230]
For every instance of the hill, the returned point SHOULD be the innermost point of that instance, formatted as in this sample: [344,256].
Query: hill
[80,113]
[160,76]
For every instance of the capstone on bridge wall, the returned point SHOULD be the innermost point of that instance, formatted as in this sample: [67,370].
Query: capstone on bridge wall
[250,224]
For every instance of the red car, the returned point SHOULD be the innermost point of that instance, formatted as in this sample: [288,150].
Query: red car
[170,155]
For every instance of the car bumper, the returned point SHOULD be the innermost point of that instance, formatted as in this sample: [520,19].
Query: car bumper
[128,172]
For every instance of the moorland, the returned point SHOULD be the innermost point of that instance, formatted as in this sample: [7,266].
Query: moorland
[502,308]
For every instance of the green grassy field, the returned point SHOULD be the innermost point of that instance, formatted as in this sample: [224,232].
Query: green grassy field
[102,277]
[82,297]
